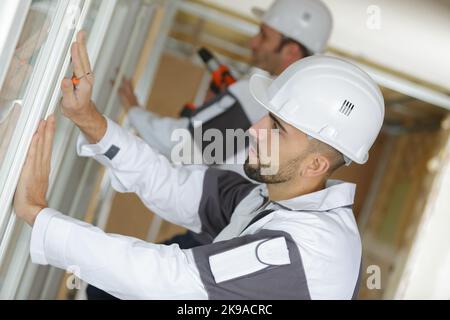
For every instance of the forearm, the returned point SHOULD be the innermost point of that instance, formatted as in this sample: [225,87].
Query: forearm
[91,123]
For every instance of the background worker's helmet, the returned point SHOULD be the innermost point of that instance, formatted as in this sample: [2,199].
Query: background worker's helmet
[328,99]
[306,21]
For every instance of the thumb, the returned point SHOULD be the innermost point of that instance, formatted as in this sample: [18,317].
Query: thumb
[67,86]
[68,91]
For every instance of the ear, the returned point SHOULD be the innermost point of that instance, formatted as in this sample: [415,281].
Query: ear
[316,165]
[291,52]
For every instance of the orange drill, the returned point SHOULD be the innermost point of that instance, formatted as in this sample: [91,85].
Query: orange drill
[221,79]
[221,74]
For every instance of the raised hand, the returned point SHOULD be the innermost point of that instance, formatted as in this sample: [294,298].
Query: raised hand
[127,96]
[77,93]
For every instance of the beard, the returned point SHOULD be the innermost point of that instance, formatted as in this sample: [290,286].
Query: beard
[283,174]
[267,61]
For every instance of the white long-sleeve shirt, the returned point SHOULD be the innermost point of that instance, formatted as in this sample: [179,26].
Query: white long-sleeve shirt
[301,248]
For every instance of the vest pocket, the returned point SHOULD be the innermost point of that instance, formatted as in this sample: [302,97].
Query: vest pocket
[248,259]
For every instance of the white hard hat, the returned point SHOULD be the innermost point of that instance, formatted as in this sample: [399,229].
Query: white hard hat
[328,99]
[306,21]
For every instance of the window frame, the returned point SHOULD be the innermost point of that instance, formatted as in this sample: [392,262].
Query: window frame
[34,101]
[37,95]
[23,282]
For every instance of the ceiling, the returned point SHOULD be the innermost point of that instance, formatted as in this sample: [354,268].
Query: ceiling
[413,36]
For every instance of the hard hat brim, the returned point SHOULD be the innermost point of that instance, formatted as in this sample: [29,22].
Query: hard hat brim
[259,88]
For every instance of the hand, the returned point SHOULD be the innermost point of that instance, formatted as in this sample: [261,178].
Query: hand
[127,96]
[30,197]
[76,102]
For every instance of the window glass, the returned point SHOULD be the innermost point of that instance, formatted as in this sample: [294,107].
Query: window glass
[32,38]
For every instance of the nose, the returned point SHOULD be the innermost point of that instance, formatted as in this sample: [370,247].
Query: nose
[258,127]
[254,42]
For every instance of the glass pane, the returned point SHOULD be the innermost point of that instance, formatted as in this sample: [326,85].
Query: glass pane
[111,55]
[92,16]
[32,38]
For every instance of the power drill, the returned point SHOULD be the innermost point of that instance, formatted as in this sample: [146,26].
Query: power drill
[221,78]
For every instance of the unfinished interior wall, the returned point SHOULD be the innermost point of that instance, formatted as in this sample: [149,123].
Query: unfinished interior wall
[427,269]
[399,206]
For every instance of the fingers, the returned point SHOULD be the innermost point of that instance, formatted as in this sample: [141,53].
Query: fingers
[76,100]
[69,98]
[30,163]
[82,52]
[76,61]
[123,86]
[81,65]
[48,144]
[40,152]
[127,87]
[39,147]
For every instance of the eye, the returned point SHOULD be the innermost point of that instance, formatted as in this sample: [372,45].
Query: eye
[274,125]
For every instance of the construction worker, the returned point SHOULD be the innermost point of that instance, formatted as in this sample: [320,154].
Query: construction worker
[290,30]
[293,236]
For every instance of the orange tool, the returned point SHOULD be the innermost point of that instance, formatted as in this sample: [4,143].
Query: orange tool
[75,80]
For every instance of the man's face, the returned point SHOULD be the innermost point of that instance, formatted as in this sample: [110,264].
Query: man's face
[266,49]
[275,161]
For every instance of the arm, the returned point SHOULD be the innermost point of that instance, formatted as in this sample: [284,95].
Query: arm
[133,165]
[263,265]
[176,193]
[132,269]
[125,267]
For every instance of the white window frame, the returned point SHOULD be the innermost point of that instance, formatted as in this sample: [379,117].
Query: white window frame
[34,102]
[54,49]
[21,286]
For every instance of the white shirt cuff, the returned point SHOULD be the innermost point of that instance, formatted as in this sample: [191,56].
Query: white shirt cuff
[37,243]
[85,149]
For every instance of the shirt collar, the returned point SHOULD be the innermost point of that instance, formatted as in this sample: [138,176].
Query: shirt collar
[337,194]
